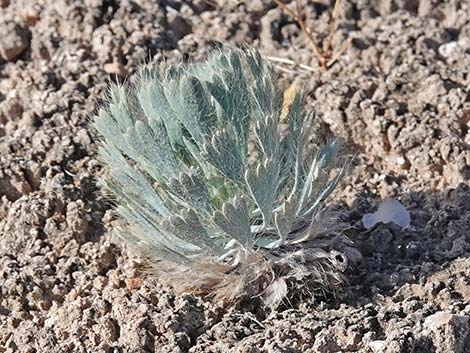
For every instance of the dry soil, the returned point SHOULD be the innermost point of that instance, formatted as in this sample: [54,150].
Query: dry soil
[398,95]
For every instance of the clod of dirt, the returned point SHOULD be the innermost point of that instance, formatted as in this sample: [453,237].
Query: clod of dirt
[14,39]
[450,331]
[11,108]
[178,24]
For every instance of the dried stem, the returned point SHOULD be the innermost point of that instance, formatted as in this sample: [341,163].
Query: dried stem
[289,62]
[212,3]
[324,56]
[298,18]
[338,54]
[334,15]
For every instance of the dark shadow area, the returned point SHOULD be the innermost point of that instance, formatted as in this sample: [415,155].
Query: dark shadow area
[394,259]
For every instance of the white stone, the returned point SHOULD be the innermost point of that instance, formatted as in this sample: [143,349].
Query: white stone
[390,210]
[377,346]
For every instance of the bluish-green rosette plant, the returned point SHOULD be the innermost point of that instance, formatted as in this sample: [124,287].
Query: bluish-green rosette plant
[213,178]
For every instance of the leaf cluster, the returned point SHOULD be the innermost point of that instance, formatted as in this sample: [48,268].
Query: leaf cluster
[207,167]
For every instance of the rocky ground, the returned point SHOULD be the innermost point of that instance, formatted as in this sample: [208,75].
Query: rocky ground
[399,96]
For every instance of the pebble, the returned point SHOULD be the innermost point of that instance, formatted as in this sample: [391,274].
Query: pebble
[377,346]
[450,331]
[115,68]
[14,39]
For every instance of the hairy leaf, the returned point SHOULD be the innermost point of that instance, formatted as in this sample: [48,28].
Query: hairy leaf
[208,164]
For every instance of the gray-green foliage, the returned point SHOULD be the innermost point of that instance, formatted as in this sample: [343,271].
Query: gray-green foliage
[198,166]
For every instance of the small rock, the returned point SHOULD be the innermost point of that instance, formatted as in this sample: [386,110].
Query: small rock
[384,7]
[255,6]
[100,282]
[180,26]
[448,330]
[413,249]
[14,39]
[377,346]
[133,283]
[324,343]
[447,50]
[110,330]
[435,287]
[381,239]
[451,49]
[402,341]
[349,339]
[271,34]
[12,108]
[202,5]
[115,68]
[31,16]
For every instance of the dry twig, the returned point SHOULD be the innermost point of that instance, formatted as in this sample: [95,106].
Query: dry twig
[289,62]
[324,56]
